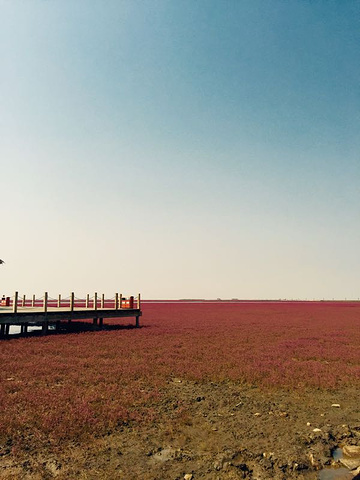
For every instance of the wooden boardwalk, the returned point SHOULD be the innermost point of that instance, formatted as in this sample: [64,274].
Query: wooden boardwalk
[46,312]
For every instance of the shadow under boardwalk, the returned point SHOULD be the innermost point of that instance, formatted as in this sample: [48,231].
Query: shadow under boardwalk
[66,328]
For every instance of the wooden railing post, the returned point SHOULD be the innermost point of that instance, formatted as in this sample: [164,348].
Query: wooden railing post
[87,301]
[23,301]
[15,302]
[138,301]
[72,301]
[33,300]
[102,300]
[45,301]
[116,301]
[120,300]
[59,300]
[95,301]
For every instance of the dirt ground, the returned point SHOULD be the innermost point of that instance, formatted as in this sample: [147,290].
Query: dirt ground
[208,431]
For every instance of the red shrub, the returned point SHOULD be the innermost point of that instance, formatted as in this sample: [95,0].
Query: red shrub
[64,386]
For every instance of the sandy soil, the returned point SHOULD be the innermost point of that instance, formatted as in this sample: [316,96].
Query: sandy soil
[208,431]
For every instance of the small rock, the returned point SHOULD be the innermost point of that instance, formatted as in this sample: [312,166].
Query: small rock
[336,405]
[312,459]
[317,430]
[188,476]
[308,424]
[268,454]
[257,414]
[351,451]
[351,457]
[342,474]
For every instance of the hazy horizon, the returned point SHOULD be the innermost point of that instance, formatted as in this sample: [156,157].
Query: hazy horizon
[180,149]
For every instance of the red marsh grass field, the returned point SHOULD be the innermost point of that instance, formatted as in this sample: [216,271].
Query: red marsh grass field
[213,390]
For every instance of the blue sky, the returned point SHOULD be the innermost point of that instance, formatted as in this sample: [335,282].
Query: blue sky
[181,148]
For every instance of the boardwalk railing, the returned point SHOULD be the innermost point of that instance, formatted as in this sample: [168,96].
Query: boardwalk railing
[43,311]
[94,302]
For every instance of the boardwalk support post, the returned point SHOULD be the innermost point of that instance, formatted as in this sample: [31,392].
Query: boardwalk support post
[45,301]
[116,301]
[15,302]
[24,328]
[72,297]
[137,321]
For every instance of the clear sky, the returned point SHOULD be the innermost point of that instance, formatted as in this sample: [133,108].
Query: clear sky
[180,148]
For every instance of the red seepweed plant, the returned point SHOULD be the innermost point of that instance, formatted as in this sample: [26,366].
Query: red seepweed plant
[63,387]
